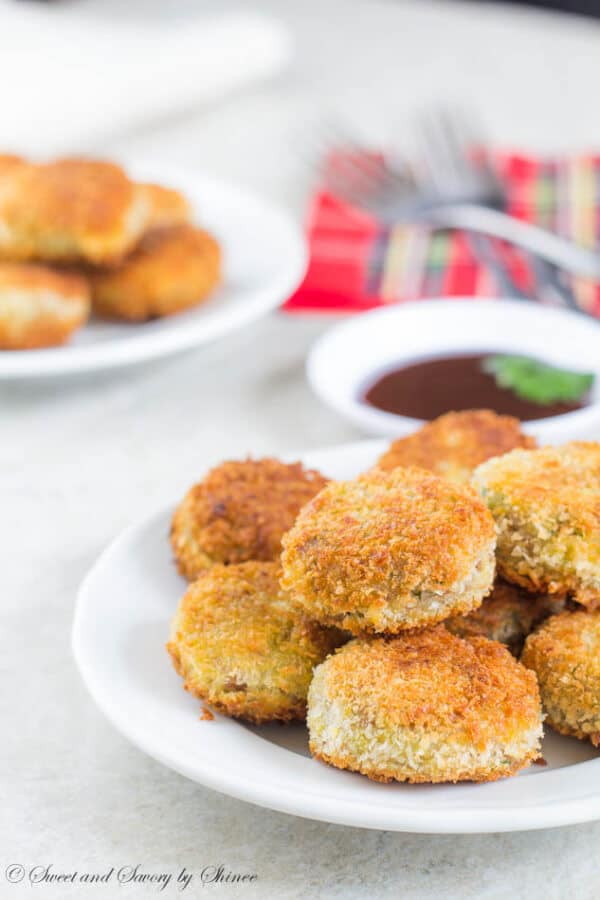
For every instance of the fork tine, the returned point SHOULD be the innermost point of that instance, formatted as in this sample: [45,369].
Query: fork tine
[358,177]
[431,157]
[469,131]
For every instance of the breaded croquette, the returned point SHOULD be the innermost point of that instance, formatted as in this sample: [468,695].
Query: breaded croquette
[564,653]
[240,511]
[454,444]
[507,615]
[426,706]
[243,647]
[390,551]
[546,504]
[70,210]
[172,269]
[39,307]
[167,207]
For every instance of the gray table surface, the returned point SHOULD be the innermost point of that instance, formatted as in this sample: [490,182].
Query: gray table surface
[82,458]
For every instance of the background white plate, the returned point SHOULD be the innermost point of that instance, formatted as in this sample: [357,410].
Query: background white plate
[264,261]
[121,625]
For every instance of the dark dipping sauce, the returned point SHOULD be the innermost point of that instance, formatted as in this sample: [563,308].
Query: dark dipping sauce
[431,387]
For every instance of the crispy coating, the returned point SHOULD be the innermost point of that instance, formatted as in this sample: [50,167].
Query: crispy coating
[508,615]
[8,161]
[171,270]
[565,655]
[167,207]
[546,504]
[390,551]
[241,645]
[70,210]
[426,706]
[39,307]
[240,511]
[453,445]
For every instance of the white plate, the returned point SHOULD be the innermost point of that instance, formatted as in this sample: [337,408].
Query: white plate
[264,261]
[348,357]
[122,621]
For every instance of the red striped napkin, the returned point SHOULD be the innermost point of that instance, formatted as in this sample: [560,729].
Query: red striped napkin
[357,264]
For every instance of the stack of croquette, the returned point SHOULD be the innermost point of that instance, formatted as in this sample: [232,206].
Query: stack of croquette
[390,610]
[78,235]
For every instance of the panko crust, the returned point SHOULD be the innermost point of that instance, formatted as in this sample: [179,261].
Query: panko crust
[168,207]
[8,161]
[564,653]
[426,706]
[389,551]
[70,210]
[507,615]
[34,277]
[171,270]
[454,444]
[39,307]
[546,504]
[243,647]
[239,512]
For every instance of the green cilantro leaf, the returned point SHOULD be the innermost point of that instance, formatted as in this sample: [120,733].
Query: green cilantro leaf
[536,381]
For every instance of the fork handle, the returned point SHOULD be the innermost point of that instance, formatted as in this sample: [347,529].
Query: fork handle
[557,250]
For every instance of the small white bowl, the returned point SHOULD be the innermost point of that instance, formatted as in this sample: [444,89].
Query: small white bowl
[350,356]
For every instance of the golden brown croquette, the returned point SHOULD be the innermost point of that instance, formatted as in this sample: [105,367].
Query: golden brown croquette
[507,615]
[168,207]
[546,504]
[171,270]
[70,210]
[390,551]
[454,444]
[426,706]
[564,653]
[39,307]
[242,646]
[240,511]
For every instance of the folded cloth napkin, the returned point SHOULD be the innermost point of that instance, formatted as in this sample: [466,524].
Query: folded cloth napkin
[77,73]
[357,264]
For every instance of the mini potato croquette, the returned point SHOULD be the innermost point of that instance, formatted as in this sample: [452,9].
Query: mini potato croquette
[508,615]
[240,511]
[70,210]
[390,551]
[453,445]
[171,270]
[546,504]
[426,706]
[564,653]
[167,207]
[39,307]
[241,645]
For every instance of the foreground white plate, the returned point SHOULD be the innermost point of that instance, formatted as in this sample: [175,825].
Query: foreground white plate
[264,261]
[121,625]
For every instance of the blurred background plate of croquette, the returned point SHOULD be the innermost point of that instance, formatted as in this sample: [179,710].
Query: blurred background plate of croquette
[171,259]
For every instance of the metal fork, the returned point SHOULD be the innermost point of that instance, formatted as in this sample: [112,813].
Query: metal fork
[445,142]
[443,166]
[395,196]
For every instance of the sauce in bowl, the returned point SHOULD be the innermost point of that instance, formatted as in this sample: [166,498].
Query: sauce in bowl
[429,388]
